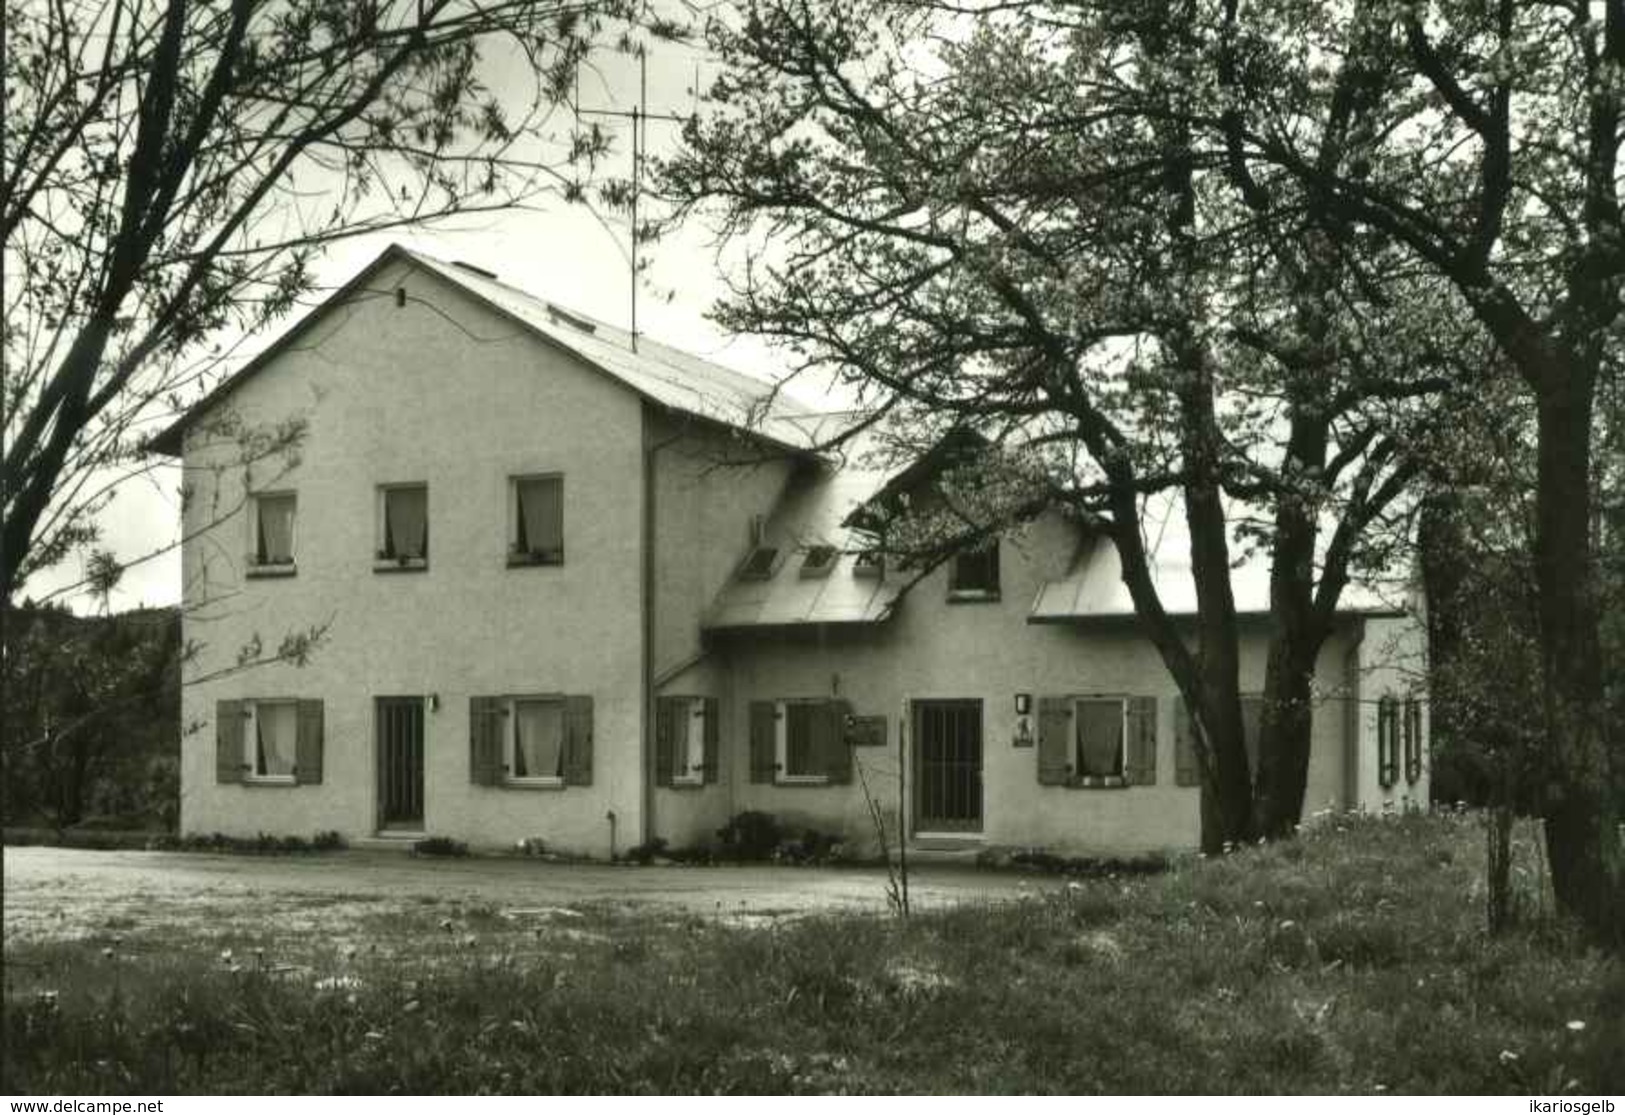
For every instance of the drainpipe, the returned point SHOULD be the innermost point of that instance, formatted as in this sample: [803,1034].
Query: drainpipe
[645,780]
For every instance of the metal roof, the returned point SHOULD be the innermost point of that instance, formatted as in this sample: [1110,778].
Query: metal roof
[813,512]
[1093,588]
[667,376]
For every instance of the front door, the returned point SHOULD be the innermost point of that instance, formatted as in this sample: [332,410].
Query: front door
[947,766]
[400,762]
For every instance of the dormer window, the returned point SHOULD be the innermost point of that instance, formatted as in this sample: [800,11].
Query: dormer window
[819,561]
[272,534]
[759,565]
[869,563]
[974,574]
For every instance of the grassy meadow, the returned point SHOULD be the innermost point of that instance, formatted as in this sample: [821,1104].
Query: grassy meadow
[1353,960]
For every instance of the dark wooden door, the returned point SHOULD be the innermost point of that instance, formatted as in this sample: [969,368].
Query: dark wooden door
[948,766]
[400,762]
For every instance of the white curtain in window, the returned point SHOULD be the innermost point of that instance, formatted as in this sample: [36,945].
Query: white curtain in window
[538,745]
[276,530]
[276,734]
[1100,738]
[406,522]
[541,515]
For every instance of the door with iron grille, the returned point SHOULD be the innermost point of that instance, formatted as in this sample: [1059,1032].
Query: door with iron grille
[400,762]
[948,766]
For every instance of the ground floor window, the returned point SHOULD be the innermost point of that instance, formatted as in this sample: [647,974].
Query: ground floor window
[1388,741]
[1413,740]
[1101,731]
[685,741]
[536,741]
[1097,741]
[800,742]
[274,737]
[268,740]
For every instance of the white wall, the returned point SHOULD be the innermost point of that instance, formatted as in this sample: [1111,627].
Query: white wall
[936,649]
[447,392]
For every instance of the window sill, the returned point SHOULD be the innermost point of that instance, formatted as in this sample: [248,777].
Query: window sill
[801,780]
[533,784]
[396,565]
[1098,782]
[519,561]
[270,780]
[268,571]
[973,596]
[687,782]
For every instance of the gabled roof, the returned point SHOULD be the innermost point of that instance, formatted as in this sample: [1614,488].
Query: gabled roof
[668,377]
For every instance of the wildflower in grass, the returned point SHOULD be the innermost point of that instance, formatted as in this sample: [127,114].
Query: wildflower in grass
[373,1035]
[1576,1025]
[445,923]
[225,956]
[1507,1057]
[108,953]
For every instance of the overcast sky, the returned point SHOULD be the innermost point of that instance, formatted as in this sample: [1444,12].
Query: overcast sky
[565,254]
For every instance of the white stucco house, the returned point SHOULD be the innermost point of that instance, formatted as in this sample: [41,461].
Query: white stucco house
[551,614]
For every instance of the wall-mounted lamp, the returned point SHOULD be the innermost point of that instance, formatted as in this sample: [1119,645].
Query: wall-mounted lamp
[434,702]
[1024,704]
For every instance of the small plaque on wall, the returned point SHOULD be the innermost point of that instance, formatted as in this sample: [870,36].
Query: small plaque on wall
[866,731]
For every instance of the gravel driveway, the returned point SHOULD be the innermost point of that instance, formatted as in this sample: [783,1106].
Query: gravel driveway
[58,892]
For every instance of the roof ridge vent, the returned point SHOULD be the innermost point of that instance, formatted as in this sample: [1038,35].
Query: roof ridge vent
[557,314]
[480,271]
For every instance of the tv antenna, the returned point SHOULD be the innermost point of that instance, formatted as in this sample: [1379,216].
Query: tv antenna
[640,116]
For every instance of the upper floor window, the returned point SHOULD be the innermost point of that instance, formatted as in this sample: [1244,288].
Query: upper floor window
[271,528]
[403,526]
[974,574]
[536,515]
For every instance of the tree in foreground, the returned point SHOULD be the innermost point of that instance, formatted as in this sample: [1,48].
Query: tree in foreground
[1493,163]
[956,213]
[172,169]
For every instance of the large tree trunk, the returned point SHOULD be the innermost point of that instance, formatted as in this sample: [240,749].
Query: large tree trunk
[1286,733]
[1286,727]
[1579,810]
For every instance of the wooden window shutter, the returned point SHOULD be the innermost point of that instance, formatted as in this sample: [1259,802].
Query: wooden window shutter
[1054,741]
[1187,770]
[485,741]
[665,720]
[712,708]
[307,763]
[764,717]
[228,741]
[837,752]
[578,740]
[1141,745]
